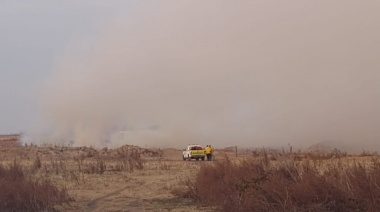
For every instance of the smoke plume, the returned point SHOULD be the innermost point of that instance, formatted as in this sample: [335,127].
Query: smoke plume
[246,73]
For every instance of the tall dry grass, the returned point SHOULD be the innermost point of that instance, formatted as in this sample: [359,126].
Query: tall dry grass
[20,191]
[288,184]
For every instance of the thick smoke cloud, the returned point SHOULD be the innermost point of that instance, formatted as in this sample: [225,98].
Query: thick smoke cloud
[247,73]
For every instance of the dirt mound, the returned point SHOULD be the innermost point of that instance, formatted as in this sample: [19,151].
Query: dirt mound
[139,150]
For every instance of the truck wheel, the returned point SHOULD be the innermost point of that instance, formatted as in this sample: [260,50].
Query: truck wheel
[203,158]
[197,159]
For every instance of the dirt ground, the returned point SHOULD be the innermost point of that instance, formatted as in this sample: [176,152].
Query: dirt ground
[115,188]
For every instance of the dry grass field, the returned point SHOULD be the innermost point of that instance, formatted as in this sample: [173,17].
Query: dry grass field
[131,178]
[128,178]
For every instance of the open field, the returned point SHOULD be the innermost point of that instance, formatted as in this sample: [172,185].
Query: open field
[124,179]
[131,178]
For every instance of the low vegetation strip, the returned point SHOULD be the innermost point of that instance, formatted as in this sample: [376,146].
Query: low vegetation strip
[20,191]
[10,137]
[287,185]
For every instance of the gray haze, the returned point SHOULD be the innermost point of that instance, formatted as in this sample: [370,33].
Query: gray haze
[33,35]
[247,73]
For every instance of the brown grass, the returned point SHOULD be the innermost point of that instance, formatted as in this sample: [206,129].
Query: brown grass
[261,184]
[20,191]
[128,178]
[131,178]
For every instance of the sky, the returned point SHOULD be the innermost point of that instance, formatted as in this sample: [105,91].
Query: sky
[169,73]
[33,36]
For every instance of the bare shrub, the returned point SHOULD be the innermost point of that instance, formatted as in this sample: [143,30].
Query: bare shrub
[20,192]
[37,163]
[128,161]
[135,160]
[185,189]
[95,167]
[58,165]
[287,185]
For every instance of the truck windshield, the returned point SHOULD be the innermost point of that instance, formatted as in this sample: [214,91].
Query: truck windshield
[195,148]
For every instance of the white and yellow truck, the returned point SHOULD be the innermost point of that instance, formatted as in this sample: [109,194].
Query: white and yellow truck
[193,151]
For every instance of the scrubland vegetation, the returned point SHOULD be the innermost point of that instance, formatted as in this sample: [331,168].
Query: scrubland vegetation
[21,191]
[288,182]
[130,178]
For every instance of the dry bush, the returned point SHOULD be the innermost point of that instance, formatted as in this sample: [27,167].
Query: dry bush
[96,163]
[21,192]
[58,165]
[128,161]
[287,185]
[37,163]
[95,167]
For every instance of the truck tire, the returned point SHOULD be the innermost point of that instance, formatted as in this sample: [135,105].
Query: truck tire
[203,158]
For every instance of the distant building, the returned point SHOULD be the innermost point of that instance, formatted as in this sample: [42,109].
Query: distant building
[10,137]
